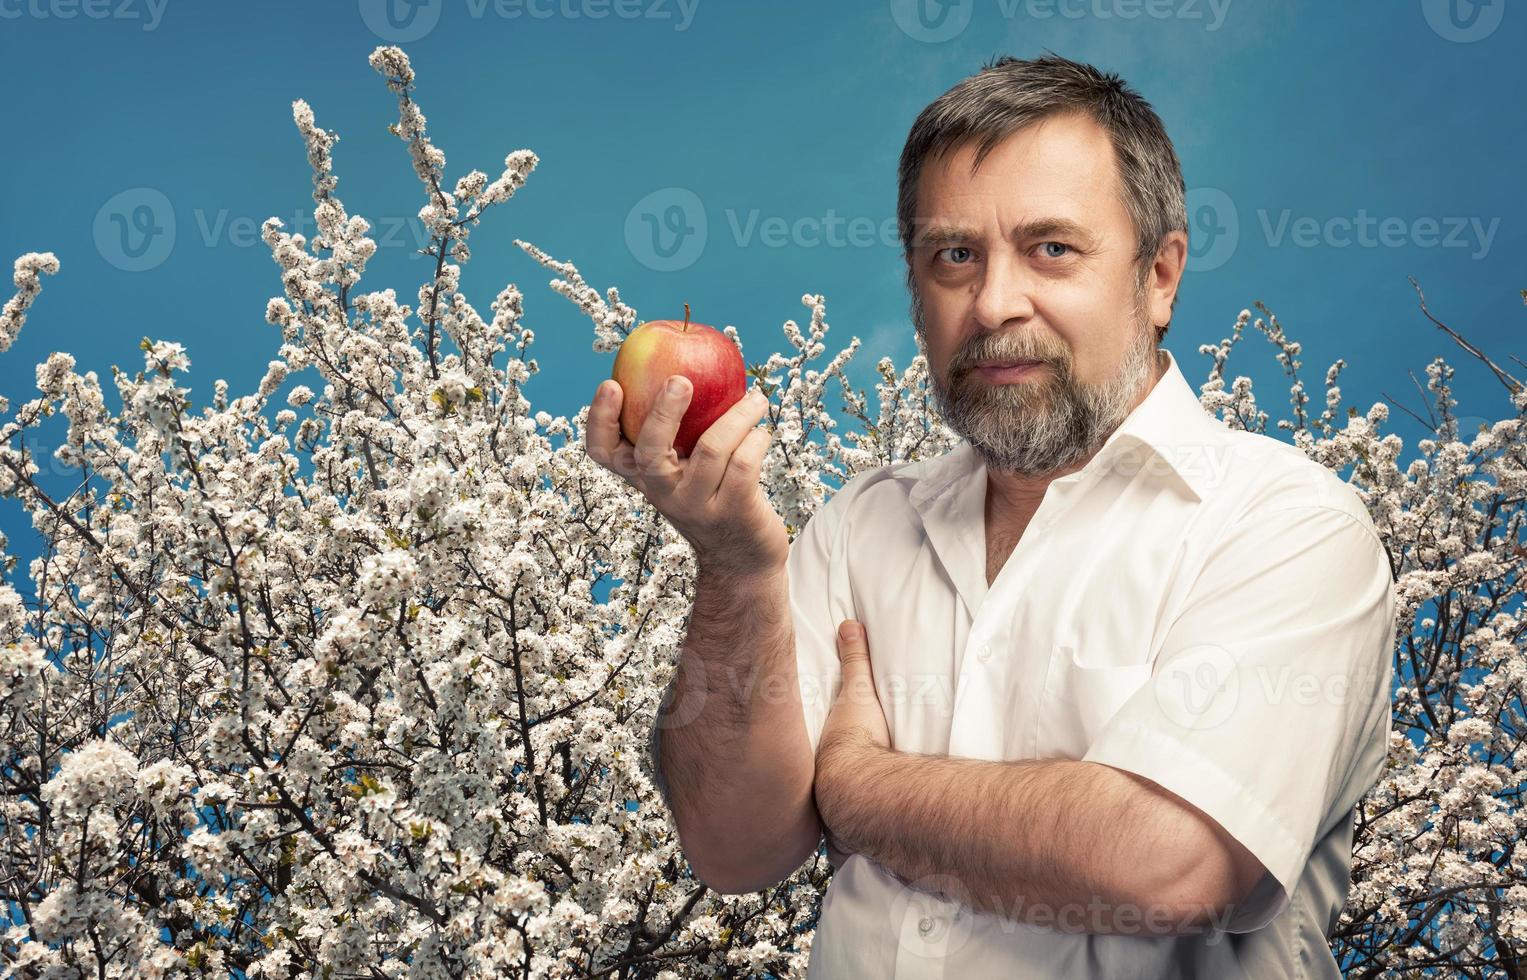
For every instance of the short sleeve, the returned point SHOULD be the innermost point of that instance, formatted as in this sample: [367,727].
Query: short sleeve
[820,599]
[1269,702]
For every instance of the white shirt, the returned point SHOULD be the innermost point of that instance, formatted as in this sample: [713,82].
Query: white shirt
[1204,606]
[1200,605]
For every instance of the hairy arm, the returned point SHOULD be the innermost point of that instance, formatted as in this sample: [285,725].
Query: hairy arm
[1077,846]
[731,752]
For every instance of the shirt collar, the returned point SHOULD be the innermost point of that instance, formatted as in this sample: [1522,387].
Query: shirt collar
[1169,433]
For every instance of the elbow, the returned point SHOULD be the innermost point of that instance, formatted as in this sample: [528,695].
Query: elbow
[721,872]
[1212,889]
[730,883]
[736,881]
[727,872]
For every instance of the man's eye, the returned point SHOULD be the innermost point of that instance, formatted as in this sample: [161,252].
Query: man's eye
[1055,245]
[954,248]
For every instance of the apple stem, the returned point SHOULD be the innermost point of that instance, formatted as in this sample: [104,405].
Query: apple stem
[686,318]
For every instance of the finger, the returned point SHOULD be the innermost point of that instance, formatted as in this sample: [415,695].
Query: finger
[602,436]
[745,468]
[656,460]
[715,448]
[854,655]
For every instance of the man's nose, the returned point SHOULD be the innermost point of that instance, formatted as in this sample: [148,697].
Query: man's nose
[1005,292]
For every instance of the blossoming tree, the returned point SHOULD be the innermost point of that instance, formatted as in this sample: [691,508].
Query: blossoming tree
[330,693]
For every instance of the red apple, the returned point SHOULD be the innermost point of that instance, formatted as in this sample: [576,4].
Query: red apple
[657,349]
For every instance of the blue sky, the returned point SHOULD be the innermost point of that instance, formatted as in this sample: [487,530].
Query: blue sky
[1331,150]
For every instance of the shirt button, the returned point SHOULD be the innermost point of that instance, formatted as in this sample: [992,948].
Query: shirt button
[925,925]
[984,653]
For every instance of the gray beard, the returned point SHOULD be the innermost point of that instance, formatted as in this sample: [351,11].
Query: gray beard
[1031,428]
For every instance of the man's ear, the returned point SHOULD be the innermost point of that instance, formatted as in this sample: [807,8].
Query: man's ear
[1164,277]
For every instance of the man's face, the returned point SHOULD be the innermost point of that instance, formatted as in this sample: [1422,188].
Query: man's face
[1032,258]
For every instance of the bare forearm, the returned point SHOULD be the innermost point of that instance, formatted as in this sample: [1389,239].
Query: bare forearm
[735,757]
[1068,845]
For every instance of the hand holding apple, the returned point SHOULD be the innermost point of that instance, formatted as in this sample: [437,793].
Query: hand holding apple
[713,497]
[657,349]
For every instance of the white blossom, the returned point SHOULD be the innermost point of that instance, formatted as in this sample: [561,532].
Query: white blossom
[338,692]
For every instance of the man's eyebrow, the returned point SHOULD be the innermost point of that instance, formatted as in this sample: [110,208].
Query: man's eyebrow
[944,235]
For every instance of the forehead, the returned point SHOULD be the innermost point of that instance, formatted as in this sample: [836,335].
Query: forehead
[1061,167]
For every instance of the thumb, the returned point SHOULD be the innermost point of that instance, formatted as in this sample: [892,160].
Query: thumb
[852,647]
[854,656]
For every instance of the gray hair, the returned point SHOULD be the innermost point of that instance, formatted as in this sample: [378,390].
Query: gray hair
[1008,94]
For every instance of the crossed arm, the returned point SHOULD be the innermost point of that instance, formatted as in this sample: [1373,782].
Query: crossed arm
[1304,590]
[1077,846]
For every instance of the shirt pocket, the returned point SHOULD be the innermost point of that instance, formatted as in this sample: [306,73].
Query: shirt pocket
[1080,699]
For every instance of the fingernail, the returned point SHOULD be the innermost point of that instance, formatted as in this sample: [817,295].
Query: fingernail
[675,386]
[849,630]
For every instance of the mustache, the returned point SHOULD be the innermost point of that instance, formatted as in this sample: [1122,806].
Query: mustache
[968,359]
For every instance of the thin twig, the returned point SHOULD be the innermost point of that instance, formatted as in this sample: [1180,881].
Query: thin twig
[1511,383]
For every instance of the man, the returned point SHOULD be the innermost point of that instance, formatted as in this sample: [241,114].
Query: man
[1126,671]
